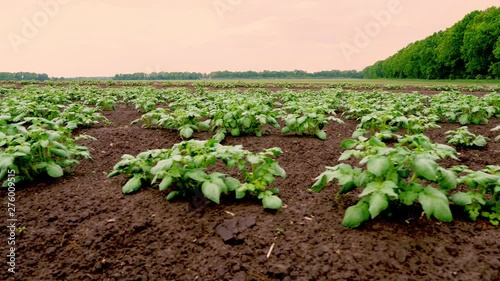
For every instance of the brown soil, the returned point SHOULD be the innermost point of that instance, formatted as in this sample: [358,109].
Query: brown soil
[82,227]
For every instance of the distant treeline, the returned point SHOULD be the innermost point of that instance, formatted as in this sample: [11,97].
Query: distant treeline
[469,49]
[14,76]
[81,78]
[296,74]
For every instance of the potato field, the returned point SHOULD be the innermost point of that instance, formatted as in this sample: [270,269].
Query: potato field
[250,180]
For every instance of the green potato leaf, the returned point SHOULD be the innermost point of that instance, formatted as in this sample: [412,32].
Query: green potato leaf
[165,183]
[378,202]
[462,199]
[435,203]
[54,170]
[132,185]
[211,191]
[172,195]
[425,168]
[321,134]
[272,202]
[355,215]
[378,165]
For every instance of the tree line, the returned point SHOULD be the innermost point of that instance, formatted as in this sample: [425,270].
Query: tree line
[296,74]
[17,76]
[470,49]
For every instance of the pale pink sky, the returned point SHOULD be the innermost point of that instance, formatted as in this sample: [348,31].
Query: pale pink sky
[102,38]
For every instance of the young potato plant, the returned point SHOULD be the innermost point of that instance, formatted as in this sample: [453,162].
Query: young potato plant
[457,107]
[476,114]
[414,124]
[186,121]
[356,105]
[379,121]
[308,124]
[152,118]
[42,148]
[139,168]
[183,169]
[462,137]
[146,103]
[378,124]
[19,109]
[304,115]
[493,100]
[483,197]
[77,115]
[70,116]
[101,100]
[243,118]
[393,175]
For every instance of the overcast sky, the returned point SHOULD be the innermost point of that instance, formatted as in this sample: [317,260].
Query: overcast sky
[102,38]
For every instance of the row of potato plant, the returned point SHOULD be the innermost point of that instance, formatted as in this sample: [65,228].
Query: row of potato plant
[409,172]
[41,119]
[183,170]
[36,137]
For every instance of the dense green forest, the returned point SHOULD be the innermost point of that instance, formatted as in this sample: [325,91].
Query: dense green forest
[296,74]
[23,76]
[469,49]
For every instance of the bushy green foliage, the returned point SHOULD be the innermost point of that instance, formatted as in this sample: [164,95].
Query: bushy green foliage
[483,195]
[407,173]
[393,175]
[464,109]
[469,49]
[43,148]
[242,117]
[304,115]
[462,137]
[309,124]
[186,121]
[183,168]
